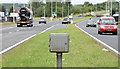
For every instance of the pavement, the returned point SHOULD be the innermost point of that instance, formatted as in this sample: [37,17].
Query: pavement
[109,39]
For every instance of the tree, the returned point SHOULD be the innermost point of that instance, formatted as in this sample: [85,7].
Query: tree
[86,3]
[11,10]
[3,9]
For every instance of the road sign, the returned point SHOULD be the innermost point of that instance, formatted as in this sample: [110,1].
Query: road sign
[54,14]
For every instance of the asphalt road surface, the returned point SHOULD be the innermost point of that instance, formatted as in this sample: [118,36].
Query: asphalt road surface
[108,38]
[12,35]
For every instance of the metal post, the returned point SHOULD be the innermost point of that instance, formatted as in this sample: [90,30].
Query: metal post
[106,7]
[56,9]
[119,12]
[51,8]
[62,10]
[13,12]
[111,7]
[68,8]
[59,60]
[44,11]
[24,4]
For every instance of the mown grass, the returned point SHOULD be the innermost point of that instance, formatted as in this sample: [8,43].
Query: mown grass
[8,23]
[82,19]
[84,52]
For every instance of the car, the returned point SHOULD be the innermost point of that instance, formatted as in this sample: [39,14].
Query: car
[42,20]
[66,21]
[91,23]
[107,25]
[0,19]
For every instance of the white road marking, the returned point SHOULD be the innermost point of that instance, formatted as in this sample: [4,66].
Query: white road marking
[7,28]
[13,46]
[109,47]
[47,29]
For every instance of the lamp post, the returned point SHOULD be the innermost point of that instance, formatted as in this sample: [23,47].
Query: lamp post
[68,8]
[51,8]
[13,12]
[111,7]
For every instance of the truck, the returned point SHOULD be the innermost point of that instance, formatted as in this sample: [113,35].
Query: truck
[25,17]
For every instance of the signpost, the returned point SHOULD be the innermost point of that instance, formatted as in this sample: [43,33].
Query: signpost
[54,14]
[119,13]
[59,43]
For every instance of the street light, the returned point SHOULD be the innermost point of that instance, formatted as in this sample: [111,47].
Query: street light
[51,8]
[13,12]
[68,8]
[56,9]
[44,11]
[111,7]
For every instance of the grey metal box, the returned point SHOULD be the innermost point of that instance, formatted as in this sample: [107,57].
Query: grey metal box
[59,42]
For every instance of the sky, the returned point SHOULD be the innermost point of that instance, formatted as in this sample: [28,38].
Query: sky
[73,1]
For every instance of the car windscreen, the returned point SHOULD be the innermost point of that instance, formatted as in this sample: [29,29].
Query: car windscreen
[42,18]
[90,21]
[108,21]
[65,19]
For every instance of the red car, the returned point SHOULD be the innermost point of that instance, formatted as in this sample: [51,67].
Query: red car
[107,25]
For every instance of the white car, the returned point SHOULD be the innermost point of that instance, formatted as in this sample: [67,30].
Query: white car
[42,20]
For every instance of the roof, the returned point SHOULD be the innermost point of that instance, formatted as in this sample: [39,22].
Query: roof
[107,18]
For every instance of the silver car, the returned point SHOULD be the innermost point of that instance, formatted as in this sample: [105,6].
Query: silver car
[91,23]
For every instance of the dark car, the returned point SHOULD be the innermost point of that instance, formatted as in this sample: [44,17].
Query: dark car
[42,20]
[66,21]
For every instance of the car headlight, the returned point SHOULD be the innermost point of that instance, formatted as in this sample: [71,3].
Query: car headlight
[115,27]
[102,26]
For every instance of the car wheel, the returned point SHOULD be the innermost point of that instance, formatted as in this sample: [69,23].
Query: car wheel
[31,25]
[115,33]
[99,32]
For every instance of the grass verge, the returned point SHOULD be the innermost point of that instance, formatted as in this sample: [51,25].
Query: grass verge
[8,23]
[82,19]
[84,52]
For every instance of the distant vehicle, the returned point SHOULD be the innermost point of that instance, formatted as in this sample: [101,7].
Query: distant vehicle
[0,19]
[66,21]
[42,20]
[107,25]
[70,18]
[91,23]
[26,17]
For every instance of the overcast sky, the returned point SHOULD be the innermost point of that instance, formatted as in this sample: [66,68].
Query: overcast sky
[73,1]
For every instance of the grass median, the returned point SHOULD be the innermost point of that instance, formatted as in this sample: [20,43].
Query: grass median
[7,24]
[84,52]
[82,19]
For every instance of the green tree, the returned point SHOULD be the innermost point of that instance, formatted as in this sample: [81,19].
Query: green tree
[3,9]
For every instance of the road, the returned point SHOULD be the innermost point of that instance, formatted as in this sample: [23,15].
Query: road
[12,35]
[109,39]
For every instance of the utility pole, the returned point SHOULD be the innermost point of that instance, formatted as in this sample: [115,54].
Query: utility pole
[44,11]
[62,10]
[24,4]
[68,8]
[111,7]
[13,12]
[96,7]
[30,5]
[106,7]
[56,9]
[119,13]
[51,8]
